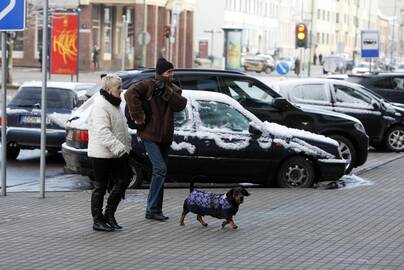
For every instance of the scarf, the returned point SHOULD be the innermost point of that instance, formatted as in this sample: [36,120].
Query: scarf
[110,98]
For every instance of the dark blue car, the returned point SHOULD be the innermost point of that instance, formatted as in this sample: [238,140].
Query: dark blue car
[24,115]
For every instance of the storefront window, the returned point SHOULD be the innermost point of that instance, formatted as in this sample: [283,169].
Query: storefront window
[96,25]
[107,31]
[19,41]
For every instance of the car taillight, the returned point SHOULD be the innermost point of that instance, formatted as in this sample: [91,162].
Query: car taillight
[1,121]
[82,135]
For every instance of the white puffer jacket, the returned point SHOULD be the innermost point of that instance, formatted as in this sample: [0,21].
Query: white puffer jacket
[108,135]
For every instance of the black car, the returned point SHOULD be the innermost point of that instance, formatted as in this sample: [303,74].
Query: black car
[390,86]
[216,140]
[257,97]
[384,123]
[24,115]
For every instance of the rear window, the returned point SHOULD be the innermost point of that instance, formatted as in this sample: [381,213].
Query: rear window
[30,97]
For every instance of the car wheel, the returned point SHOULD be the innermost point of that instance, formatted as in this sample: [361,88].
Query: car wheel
[394,140]
[347,151]
[268,70]
[136,178]
[296,172]
[12,151]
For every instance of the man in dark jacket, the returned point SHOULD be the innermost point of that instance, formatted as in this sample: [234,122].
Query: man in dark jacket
[163,98]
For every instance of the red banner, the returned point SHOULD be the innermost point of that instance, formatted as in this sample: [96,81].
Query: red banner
[64,54]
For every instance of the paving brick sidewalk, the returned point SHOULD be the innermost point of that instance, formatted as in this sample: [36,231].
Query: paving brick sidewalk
[357,228]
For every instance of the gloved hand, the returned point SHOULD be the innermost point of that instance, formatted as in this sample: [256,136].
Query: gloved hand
[159,88]
[124,157]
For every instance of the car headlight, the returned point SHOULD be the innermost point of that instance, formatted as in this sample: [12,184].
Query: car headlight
[359,127]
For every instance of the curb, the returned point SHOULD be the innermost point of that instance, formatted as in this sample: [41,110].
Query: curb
[364,170]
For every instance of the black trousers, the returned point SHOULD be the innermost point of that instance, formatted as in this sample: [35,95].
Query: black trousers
[113,171]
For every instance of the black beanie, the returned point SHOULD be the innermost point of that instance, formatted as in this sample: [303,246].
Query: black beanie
[162,66]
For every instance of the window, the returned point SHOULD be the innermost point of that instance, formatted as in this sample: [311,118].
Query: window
[385,83]
[108,30]
[398,83]
[337,17]
[243,89]
[221,115]
[348,95]
[31,96]
[207,83]
[96,13]
[181,118]
[318,14]
[310,93]
[19,41]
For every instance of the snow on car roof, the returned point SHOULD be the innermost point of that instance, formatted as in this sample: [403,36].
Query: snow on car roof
[65,85]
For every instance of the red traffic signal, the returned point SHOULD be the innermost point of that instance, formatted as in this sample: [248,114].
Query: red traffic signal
[301,35]
[167,30]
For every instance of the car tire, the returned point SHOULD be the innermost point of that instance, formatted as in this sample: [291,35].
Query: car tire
[136,179]
[12,151]
[296,172]
[348,151]
[394,139]
[268,70]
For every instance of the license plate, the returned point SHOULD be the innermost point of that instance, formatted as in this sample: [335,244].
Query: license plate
[33,120]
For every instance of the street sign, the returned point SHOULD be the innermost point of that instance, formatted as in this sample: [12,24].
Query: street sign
[12,15]
[144,38]
[370,43]
[282,68]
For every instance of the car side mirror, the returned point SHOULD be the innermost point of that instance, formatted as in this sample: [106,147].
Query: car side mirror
[281,103]
[375,105]
[254,131]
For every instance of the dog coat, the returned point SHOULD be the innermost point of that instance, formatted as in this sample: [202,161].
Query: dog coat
[207,203]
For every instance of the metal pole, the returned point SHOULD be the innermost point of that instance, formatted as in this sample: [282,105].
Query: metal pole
[3,116]
[310,39]
[78,45]
[144,30]
[392,35]
[124,34]
[43,98]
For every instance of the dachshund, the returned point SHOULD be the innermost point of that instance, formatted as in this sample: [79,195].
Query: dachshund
[221,206]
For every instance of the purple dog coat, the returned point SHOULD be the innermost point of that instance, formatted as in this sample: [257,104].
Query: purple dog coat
[207,203]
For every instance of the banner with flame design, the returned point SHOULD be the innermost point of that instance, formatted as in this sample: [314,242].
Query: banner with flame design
[64,50]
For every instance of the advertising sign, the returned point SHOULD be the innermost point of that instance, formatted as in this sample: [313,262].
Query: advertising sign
[370,43]
[232,39]
[64,50]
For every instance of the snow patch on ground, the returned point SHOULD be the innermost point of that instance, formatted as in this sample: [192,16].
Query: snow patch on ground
[353,181]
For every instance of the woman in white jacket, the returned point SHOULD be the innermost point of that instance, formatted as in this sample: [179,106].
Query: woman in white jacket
[108,148]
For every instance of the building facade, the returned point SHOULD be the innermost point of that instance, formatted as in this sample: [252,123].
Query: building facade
[102,26]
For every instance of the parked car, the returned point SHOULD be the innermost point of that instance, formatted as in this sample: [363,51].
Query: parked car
[259,63]
[399,68]
[388,85]
[217,140]
[365,68]
[257,96]
[24,115]
[333,64]
[383,122]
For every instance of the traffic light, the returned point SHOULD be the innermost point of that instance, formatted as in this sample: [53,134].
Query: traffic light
[301,35]
[167,30]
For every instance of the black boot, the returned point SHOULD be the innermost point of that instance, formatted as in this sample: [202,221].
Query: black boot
[110,218]
[101,225]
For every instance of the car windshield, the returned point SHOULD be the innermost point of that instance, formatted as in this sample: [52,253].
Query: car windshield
[30,97]
[401,66]
[244,89]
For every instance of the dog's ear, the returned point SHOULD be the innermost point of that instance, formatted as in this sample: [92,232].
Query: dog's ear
[230,194]
[244,192]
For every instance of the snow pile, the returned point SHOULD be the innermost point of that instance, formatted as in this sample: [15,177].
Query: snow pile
[353,181]
[183,145]
[229,142]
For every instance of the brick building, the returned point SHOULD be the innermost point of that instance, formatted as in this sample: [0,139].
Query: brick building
[102,25]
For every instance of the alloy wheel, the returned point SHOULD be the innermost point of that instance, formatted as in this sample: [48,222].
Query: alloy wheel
[296,175]
[396,140]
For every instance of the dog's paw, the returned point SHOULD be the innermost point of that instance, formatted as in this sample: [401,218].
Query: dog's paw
[205,224]
[234,227]
[182,224]
[224,224]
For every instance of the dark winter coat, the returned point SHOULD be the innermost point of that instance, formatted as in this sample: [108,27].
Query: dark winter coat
[160,119]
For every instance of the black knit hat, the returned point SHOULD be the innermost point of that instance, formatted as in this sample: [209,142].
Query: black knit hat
[162,66]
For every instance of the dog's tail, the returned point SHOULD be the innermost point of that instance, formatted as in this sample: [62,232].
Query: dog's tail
[191,186]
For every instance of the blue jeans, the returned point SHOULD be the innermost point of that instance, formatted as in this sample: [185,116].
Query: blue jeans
[158,155]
